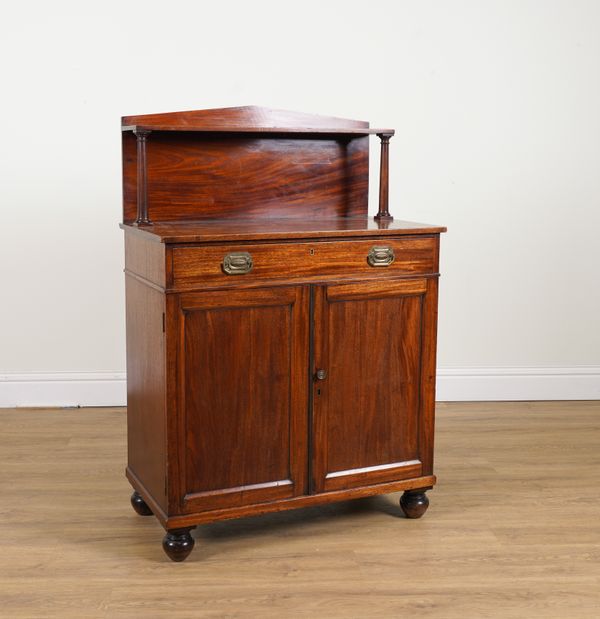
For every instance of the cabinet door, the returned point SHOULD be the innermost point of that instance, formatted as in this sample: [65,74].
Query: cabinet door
[374,402]
[243,392]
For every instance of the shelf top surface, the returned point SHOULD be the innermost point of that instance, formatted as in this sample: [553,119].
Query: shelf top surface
[249,119]
[264,130]
[265,229]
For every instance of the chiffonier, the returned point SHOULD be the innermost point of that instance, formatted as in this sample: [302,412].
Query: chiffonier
[280,343]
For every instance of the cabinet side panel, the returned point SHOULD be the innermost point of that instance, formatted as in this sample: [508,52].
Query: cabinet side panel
[145,258]
[428,375]
[146,438]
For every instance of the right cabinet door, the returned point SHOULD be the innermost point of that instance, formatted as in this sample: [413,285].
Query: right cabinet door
[373,382]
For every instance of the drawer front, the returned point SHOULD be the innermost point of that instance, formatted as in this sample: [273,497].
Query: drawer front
[235,264]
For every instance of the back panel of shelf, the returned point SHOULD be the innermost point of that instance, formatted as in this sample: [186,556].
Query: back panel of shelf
[196,175]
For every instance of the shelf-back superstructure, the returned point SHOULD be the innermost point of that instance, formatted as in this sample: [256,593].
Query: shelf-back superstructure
[230,163]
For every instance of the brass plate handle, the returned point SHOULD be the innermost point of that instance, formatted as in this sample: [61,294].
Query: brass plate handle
[237,263]
[380,256]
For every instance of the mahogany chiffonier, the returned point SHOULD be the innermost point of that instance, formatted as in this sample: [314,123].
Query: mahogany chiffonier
[280,343]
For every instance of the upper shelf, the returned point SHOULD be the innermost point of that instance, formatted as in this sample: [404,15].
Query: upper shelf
[249,119]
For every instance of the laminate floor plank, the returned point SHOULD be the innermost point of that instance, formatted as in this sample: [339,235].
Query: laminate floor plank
[513,530]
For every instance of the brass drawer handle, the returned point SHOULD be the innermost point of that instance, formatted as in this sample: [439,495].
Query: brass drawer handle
[237,263]
[380,256]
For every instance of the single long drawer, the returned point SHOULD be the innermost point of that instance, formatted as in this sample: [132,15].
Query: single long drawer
[221,264]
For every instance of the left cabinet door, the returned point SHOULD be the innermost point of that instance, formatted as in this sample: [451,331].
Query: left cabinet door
[242,396]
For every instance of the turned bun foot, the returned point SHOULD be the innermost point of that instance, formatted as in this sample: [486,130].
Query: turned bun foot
[178,544]
[414,503]
[140,505]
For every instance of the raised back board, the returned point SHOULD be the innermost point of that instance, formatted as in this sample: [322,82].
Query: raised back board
[247,163]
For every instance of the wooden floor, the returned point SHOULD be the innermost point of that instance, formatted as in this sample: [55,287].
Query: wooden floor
[513,530]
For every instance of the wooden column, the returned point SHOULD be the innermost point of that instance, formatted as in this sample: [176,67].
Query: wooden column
[142,194]
[384,179]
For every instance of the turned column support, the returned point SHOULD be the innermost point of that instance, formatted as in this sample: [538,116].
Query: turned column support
[384,179]
[142,194]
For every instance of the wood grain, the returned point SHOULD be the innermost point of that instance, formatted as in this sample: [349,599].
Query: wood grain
[233,447]
[376,289]
[297,502]
[428,349]
[366,410]
[146,384]
[240,118]
[512,530]
[244,387]
[230,333]
[271,261]
[145,258]
[296,132]
[195,176]
[383,214]
[277,229]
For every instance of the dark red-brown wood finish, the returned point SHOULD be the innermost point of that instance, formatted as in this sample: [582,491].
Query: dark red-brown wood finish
[247,119]
[367,408]
[243,388]
[280,343]
[193,176]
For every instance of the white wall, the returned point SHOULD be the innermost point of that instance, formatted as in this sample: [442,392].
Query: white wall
[496,106]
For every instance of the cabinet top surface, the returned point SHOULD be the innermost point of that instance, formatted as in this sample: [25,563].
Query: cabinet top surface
[277,229]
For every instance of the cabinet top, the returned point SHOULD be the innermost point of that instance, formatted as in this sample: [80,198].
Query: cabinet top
[278,229]
[248,119]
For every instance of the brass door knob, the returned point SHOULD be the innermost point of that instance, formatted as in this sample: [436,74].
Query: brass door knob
[321,375]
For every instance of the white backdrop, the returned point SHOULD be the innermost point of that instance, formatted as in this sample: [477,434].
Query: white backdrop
[496,106]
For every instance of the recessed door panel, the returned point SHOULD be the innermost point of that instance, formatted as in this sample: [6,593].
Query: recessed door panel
[244,396]
[368,343]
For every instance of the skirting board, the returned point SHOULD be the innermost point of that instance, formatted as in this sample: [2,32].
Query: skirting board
[453,385]
[63,389]
[495,384]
